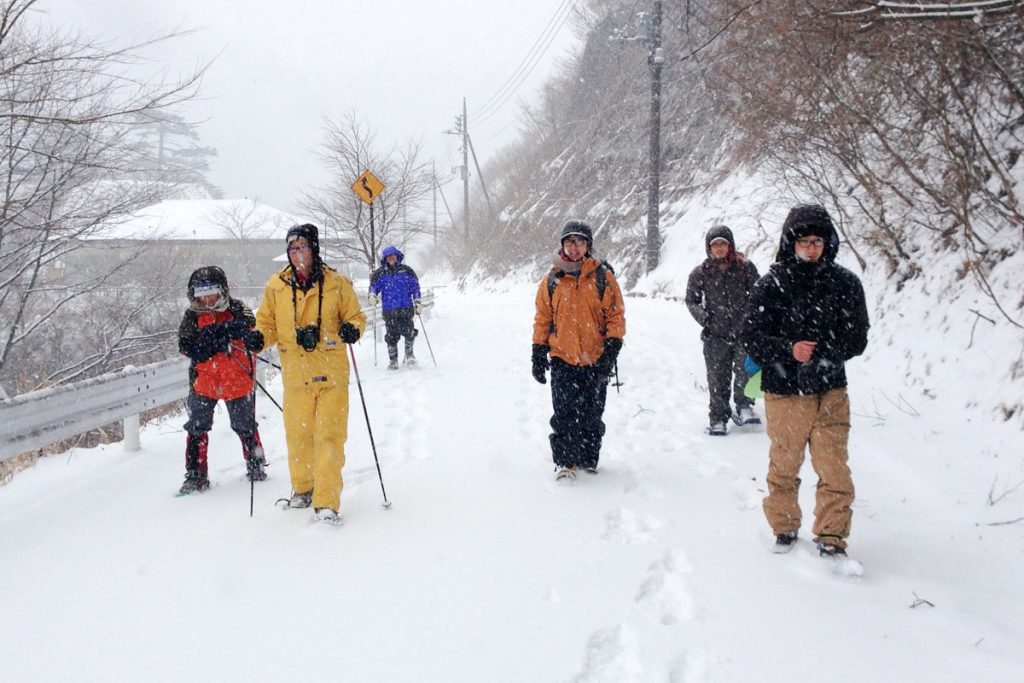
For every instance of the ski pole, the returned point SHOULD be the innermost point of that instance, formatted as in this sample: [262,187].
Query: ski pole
[427,337]
[252,444]
[374,311]
[617,383]
[256,383]
[271,364]
[373,446]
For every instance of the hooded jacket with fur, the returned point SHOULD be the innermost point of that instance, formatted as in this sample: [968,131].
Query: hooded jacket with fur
[717,297]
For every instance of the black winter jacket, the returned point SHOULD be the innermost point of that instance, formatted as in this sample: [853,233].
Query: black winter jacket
[717,298]
[796,301]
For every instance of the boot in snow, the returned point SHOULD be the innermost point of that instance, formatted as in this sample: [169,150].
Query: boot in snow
[301,500]
[745,416]
[410,359]
[566,473]
[392,356]
[196,477]
[194,483]
[718,429]
[255,458]
[784,542]
[326,516]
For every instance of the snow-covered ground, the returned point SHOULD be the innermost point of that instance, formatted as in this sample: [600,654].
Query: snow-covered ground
[485,569]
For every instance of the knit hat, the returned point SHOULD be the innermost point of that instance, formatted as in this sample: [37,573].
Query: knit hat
[576,228]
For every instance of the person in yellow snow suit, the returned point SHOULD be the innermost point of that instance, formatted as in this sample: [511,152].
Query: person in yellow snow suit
[311,312]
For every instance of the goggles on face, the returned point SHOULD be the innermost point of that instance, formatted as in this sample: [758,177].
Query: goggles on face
[205,288]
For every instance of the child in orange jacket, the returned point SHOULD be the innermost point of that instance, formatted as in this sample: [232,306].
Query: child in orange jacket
[211,335]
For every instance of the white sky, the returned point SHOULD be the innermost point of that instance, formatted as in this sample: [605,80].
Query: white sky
[404,66]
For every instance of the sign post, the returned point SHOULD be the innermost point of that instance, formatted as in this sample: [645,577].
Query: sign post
[368,187]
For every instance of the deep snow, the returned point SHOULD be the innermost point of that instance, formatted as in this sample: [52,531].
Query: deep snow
[657,569]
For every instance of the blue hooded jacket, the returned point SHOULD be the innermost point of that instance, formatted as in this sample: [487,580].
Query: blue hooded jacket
[397,285]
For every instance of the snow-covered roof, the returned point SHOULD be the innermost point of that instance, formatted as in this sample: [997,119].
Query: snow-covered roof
[208,219]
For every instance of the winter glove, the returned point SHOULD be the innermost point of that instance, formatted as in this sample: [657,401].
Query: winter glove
[373,299]
[541,362]
[236,329]
[417,307]
[254,341]
[606,362]
[349,333]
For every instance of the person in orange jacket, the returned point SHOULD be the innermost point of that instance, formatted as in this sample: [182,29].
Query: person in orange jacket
[580,322]
[211,335]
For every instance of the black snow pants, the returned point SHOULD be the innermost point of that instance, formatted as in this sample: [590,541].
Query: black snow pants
[577,395]
[200,414]
[398,323]
[724,362]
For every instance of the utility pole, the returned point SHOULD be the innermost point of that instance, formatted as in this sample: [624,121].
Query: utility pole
[649,31]
[655,60]
[462,129]
[465,165]
[433,176]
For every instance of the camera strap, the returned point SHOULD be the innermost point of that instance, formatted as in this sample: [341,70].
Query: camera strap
[319,301]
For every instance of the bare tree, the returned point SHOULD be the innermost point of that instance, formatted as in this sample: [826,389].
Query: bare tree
[349,149]
[68,111]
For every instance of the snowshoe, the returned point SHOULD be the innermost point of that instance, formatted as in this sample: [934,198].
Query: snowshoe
[393,364]
[566,473]
[299,501]
[784,542]
[326,516]
[254,470]
[718,429]
[194,485]
[745,416]
[410,361]
[590,469]
[830,550]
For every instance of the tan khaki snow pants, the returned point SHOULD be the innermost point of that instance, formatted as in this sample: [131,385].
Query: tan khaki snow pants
[822,422]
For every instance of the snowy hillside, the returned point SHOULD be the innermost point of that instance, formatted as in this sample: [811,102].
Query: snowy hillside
[485,569]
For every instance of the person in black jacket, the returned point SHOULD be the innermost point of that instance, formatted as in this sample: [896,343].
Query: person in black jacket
[717,293]
[211,334]
[807,317]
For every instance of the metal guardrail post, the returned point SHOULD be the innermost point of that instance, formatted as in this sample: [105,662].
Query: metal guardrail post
[132,442]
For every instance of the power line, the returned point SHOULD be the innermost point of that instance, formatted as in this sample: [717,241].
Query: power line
[529,63]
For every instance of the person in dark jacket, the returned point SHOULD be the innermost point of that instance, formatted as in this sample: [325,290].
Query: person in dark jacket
[397,288]
[717,293]
[807,317]
[211,335]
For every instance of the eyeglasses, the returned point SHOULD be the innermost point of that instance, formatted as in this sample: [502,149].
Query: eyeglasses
[578,241]
[810,242]
[299,248]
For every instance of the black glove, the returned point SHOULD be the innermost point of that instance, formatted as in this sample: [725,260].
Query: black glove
[254,341]
[349,333]
[541,362]
[606,362]
[236,329]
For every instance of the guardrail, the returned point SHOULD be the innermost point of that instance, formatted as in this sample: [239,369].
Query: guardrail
[40,418]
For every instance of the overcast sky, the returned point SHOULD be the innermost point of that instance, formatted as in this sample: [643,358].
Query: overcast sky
[284,65]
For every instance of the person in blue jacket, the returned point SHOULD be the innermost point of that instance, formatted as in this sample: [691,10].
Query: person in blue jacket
[397,288]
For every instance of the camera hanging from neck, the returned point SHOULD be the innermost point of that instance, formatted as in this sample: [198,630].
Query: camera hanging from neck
[319,309]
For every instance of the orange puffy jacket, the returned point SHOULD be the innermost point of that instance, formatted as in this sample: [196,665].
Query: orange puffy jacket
[573,321]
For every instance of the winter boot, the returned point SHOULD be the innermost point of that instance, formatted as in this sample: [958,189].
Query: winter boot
[392,356]
[565,473]
[745,416]
[829,550]
[784,542]
[410,359]
[255,459]
[326,516]
[196,476]
[195,482]
[718,429]
[301,500]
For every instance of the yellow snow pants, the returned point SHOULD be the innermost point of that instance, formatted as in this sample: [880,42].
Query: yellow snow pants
[822,423]
[316,426]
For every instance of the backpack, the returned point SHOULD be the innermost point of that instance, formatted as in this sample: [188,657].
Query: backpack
[600,277]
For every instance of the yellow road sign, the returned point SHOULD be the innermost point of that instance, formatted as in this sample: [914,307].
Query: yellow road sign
[368,187]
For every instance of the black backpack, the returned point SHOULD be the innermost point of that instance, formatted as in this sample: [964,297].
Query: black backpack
[600,277]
